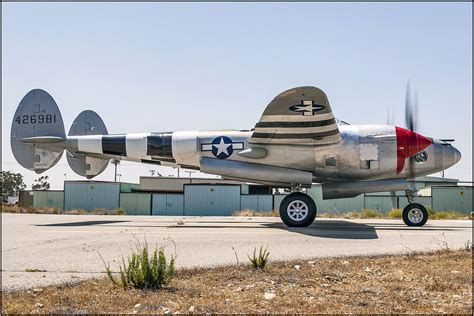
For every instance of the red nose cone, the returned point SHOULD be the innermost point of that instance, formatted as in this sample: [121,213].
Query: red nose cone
[409,144]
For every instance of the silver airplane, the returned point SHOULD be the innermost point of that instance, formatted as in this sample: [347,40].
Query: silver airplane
[297,142]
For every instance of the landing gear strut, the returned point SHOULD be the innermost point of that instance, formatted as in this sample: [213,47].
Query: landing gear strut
[414,214]
[297,210]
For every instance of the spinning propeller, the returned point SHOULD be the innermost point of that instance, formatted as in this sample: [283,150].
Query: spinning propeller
[409,142]
[411,109]
[411,119]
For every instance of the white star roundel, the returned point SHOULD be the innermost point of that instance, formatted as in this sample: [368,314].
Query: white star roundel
[307,107]
[222,147]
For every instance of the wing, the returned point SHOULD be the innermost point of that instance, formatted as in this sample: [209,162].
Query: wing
[299,116]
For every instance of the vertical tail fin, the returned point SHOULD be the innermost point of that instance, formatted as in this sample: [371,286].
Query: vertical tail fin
[37,129]
[87,123]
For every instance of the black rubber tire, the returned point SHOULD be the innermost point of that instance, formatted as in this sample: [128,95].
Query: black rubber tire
[308,220]
[411,206]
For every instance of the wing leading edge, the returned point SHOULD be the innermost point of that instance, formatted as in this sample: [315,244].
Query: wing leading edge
[298,116]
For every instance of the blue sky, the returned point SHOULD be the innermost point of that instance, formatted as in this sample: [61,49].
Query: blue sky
[164,67]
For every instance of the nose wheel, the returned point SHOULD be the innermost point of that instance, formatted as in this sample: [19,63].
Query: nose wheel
[297,210]
[415,214]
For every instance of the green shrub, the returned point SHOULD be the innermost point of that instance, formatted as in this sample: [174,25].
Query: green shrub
[143,271]
[395,213]
[260,261]
[120,211]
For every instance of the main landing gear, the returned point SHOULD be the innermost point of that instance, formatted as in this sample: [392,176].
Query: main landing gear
[297,210]
[414,214]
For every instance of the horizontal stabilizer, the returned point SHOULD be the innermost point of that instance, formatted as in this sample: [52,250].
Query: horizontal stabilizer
[42,140]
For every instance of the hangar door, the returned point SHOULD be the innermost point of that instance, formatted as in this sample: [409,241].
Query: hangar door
[90,195]
[211,199]
[167,204]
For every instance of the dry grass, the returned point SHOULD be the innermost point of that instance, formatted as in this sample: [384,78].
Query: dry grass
[252,213]
[8,208]
[392,214]
[438,282]
[449,215]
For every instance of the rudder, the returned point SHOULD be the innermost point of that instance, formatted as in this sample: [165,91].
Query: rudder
[36,130]
[87,123]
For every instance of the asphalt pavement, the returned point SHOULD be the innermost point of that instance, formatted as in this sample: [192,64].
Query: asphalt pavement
[39,250]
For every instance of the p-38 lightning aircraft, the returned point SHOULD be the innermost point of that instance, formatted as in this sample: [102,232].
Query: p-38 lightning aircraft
[297,142]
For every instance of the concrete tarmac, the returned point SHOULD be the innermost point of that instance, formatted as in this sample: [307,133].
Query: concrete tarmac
[40,250]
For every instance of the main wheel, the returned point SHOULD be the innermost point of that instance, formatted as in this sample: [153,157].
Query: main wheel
[415,214]
[297,210]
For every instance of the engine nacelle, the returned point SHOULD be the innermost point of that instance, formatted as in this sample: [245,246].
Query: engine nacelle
[338,190]
[258,173]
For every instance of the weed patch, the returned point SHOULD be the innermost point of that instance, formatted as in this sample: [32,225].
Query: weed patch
[144,271]
[260,261]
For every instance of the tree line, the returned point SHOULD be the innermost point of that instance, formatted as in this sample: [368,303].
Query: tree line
[12,183]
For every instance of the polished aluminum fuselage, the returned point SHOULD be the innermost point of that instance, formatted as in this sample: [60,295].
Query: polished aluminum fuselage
[365,152]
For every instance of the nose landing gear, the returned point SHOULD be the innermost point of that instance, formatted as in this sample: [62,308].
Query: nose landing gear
[414,214]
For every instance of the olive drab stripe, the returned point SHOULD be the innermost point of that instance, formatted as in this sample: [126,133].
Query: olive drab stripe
[296,136]
[114,145]
[296,124]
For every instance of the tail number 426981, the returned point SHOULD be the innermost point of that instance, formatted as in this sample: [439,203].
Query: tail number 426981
[36,119]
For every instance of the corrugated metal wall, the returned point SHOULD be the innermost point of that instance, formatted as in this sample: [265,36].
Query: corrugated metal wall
[277,198]
[167,204]
[173,184]
[127,187]
[423,200]
[384,203]
[48,199]
[135,203]
[91,195]
[224,199]
[256,202]
[211,199]
[380,203]
[452,199]
[340,205]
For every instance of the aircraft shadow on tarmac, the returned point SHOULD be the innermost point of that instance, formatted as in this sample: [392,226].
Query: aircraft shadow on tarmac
[83,223]
[321,228]
[343,229]
[339,229]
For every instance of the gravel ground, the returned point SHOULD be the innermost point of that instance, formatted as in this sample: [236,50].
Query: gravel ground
[439,282]
[41,250]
